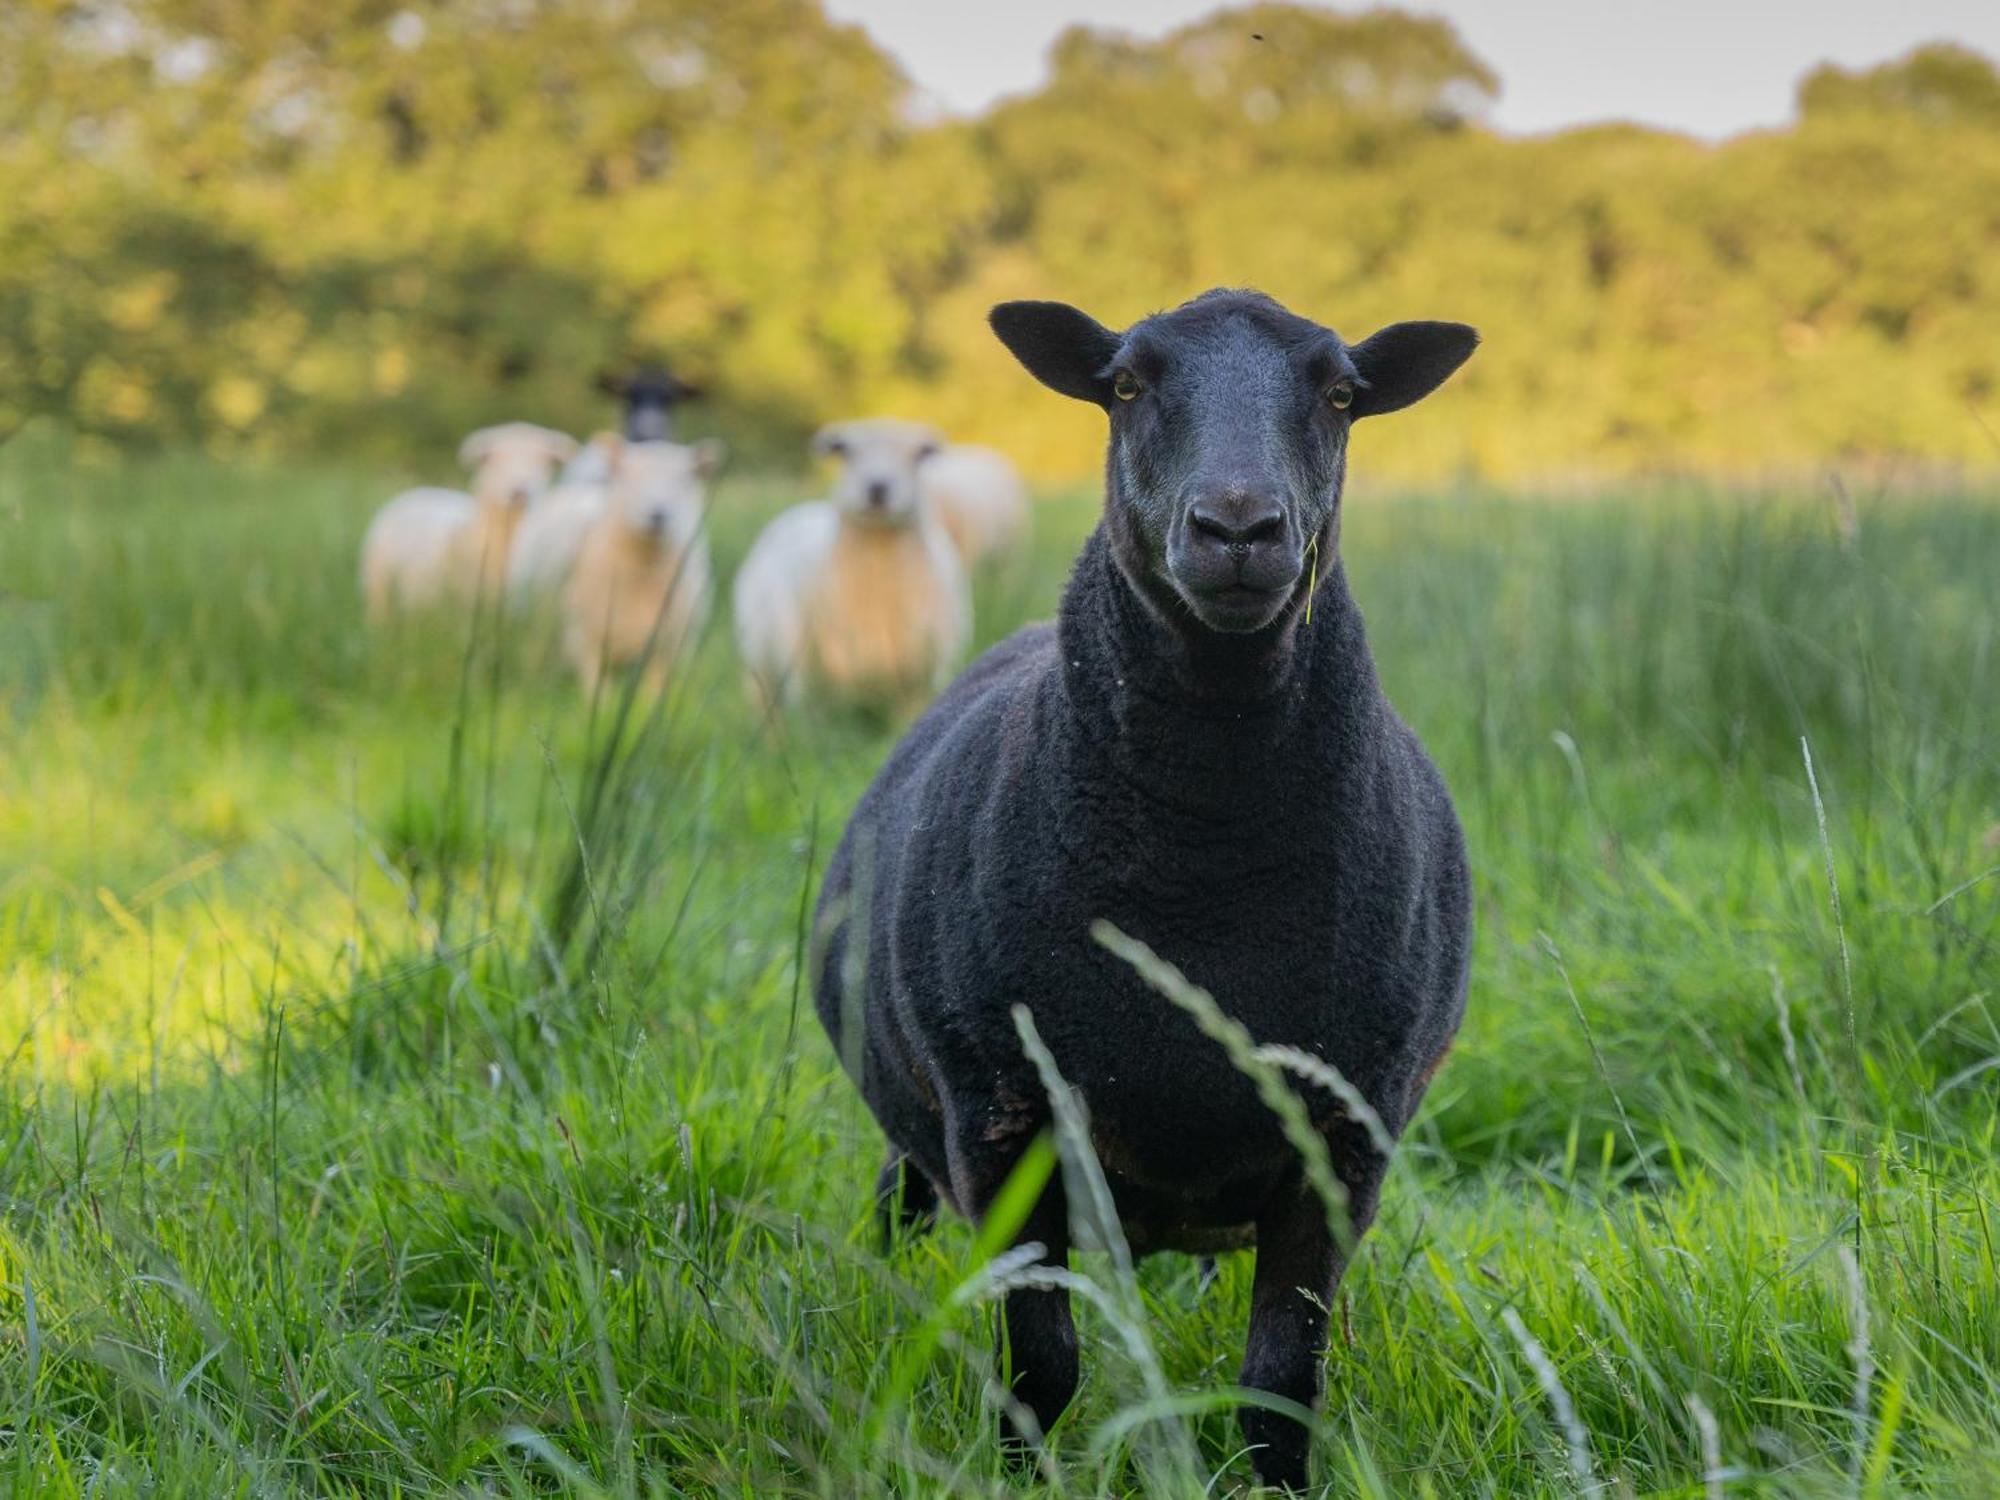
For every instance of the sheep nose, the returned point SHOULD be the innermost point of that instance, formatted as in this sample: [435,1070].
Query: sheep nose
[878,493]
[1241,518]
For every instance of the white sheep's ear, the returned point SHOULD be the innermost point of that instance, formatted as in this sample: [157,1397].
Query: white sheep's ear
[477,445]
[613,446]
[1405,362]
[560,445]
[709,454]
[830,441]
[1066,350]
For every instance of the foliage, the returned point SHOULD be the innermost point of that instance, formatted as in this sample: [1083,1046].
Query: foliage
[1944,83]
[357,227]
[340,1153]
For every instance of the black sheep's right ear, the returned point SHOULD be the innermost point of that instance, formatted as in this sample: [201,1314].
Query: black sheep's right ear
[1065,349]
[613,382]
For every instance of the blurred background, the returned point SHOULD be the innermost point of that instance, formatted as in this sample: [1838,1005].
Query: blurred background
[362,226]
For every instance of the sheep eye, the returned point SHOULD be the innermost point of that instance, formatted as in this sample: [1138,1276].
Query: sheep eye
[1125,385]
[1340,395]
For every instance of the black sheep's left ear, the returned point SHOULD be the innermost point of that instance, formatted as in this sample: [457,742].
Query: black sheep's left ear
[1405,362]
[1067,350]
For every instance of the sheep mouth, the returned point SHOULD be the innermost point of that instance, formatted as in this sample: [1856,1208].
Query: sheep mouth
[882,517]
[1236,608]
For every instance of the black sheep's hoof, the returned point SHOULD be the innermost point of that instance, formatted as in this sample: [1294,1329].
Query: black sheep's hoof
[1282,1477]
[1279,1456]
[1021,1454]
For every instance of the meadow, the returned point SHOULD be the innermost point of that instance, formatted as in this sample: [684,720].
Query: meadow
[410,1090]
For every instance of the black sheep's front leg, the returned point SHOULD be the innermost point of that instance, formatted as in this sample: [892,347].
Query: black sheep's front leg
[1040,1334]
[1299,1266]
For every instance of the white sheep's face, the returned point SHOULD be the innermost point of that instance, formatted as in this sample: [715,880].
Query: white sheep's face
[513,464]
[879,462]
[661,489]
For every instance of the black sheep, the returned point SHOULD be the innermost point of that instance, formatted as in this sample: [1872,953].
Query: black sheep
[1197,750]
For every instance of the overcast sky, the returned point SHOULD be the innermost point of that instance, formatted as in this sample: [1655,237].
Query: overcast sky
[1704,66]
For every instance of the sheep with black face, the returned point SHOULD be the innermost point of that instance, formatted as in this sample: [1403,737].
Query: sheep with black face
[1197,751]
[648,397]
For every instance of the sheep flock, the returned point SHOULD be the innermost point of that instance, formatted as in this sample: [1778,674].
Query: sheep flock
[862,598]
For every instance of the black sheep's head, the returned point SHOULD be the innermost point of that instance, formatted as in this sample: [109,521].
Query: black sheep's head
[650,395]
[1229,422]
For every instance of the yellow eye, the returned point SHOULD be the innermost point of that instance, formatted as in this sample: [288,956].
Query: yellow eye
[1125,385]
[1340,395]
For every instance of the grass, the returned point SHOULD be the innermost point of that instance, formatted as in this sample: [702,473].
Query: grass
[408,1089]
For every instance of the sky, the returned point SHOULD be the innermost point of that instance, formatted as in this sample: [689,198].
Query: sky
[1706,67]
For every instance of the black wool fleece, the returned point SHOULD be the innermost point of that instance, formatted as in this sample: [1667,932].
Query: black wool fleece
[1235,791]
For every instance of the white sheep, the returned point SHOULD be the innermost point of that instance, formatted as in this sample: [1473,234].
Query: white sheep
[550,535]
[860,597]
[431,544]
[979,497]
[641,584]
[592,463]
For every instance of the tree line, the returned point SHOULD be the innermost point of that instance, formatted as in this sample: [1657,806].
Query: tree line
[367,226]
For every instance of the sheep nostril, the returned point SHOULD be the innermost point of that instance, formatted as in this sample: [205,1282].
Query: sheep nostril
[1208,528]
[878,494]
[1263,529]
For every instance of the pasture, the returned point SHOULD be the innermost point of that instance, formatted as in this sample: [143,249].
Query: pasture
[410,1088]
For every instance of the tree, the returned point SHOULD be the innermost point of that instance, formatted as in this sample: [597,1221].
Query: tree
[374,224]
[1943,84]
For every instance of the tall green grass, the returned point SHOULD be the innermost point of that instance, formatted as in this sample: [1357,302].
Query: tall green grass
[411,1089]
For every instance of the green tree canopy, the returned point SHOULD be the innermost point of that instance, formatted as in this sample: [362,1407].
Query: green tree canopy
[1942,83]
[373,225]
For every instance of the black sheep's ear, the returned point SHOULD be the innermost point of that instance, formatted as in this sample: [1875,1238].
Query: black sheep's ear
[613,382]
[658,384]
[1405,362]
[1066,350]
